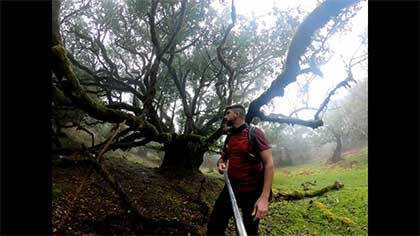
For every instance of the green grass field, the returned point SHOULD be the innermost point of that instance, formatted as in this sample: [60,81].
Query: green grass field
[341,212]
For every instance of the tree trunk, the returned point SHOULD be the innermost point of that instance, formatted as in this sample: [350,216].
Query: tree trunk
[189,124]
[337,152]
[183,155]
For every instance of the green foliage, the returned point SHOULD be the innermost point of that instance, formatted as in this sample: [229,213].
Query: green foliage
[123,29]
[342,212]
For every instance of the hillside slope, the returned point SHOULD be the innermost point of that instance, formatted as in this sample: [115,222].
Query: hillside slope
[342,212]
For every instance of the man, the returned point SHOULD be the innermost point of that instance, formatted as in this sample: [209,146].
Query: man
[250,170]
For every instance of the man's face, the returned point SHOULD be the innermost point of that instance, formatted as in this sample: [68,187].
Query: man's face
[230,117]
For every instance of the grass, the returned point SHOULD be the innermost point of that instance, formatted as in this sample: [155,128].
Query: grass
[211,172]
[342,212]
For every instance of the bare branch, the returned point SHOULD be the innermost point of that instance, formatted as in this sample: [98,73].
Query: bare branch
[231,70]
[344,83]
[121,85]
[314,21]
[302,109]
[75,12]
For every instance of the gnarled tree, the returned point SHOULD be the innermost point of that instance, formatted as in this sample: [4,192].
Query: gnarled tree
[165,53]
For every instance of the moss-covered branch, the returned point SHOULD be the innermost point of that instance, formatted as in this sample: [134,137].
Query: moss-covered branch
[301,195]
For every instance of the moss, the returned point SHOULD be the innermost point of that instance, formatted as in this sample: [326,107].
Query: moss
[56,39]
[60,52]
[57,191]
[346,220]
[58,96]
[298,195]
[331,216]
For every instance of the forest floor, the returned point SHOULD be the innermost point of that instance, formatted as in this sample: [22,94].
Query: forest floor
[166,205]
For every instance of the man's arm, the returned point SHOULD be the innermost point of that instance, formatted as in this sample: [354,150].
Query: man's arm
[261,206]
[223,162]
[268,172]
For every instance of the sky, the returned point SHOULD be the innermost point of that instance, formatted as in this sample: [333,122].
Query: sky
[333,71]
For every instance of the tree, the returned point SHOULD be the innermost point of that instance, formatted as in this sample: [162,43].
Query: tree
[179,62]
[355,115]
[346,124]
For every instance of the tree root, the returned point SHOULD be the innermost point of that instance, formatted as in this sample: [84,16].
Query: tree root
[295,195]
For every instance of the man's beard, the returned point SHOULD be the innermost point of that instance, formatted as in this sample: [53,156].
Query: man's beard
[229,123]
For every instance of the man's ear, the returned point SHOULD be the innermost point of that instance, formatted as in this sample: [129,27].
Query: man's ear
[236,115]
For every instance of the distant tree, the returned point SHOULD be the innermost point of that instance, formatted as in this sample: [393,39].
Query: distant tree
[355,115]
[276,134]
[346,126]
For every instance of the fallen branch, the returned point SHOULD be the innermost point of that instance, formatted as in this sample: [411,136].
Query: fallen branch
[295,195]
[107,176]
[86,178]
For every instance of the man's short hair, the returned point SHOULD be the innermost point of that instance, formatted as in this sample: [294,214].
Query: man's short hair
[237,108]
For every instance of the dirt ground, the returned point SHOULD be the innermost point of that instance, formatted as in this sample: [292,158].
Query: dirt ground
[162,204]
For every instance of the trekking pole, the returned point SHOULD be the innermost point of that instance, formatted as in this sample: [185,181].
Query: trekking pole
[237,215]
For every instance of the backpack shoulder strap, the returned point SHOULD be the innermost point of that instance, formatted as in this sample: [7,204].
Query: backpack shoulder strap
[251,140]
[251,134]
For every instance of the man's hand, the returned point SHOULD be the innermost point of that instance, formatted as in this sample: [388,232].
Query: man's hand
[226,128]
[221,166]
[261,208]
